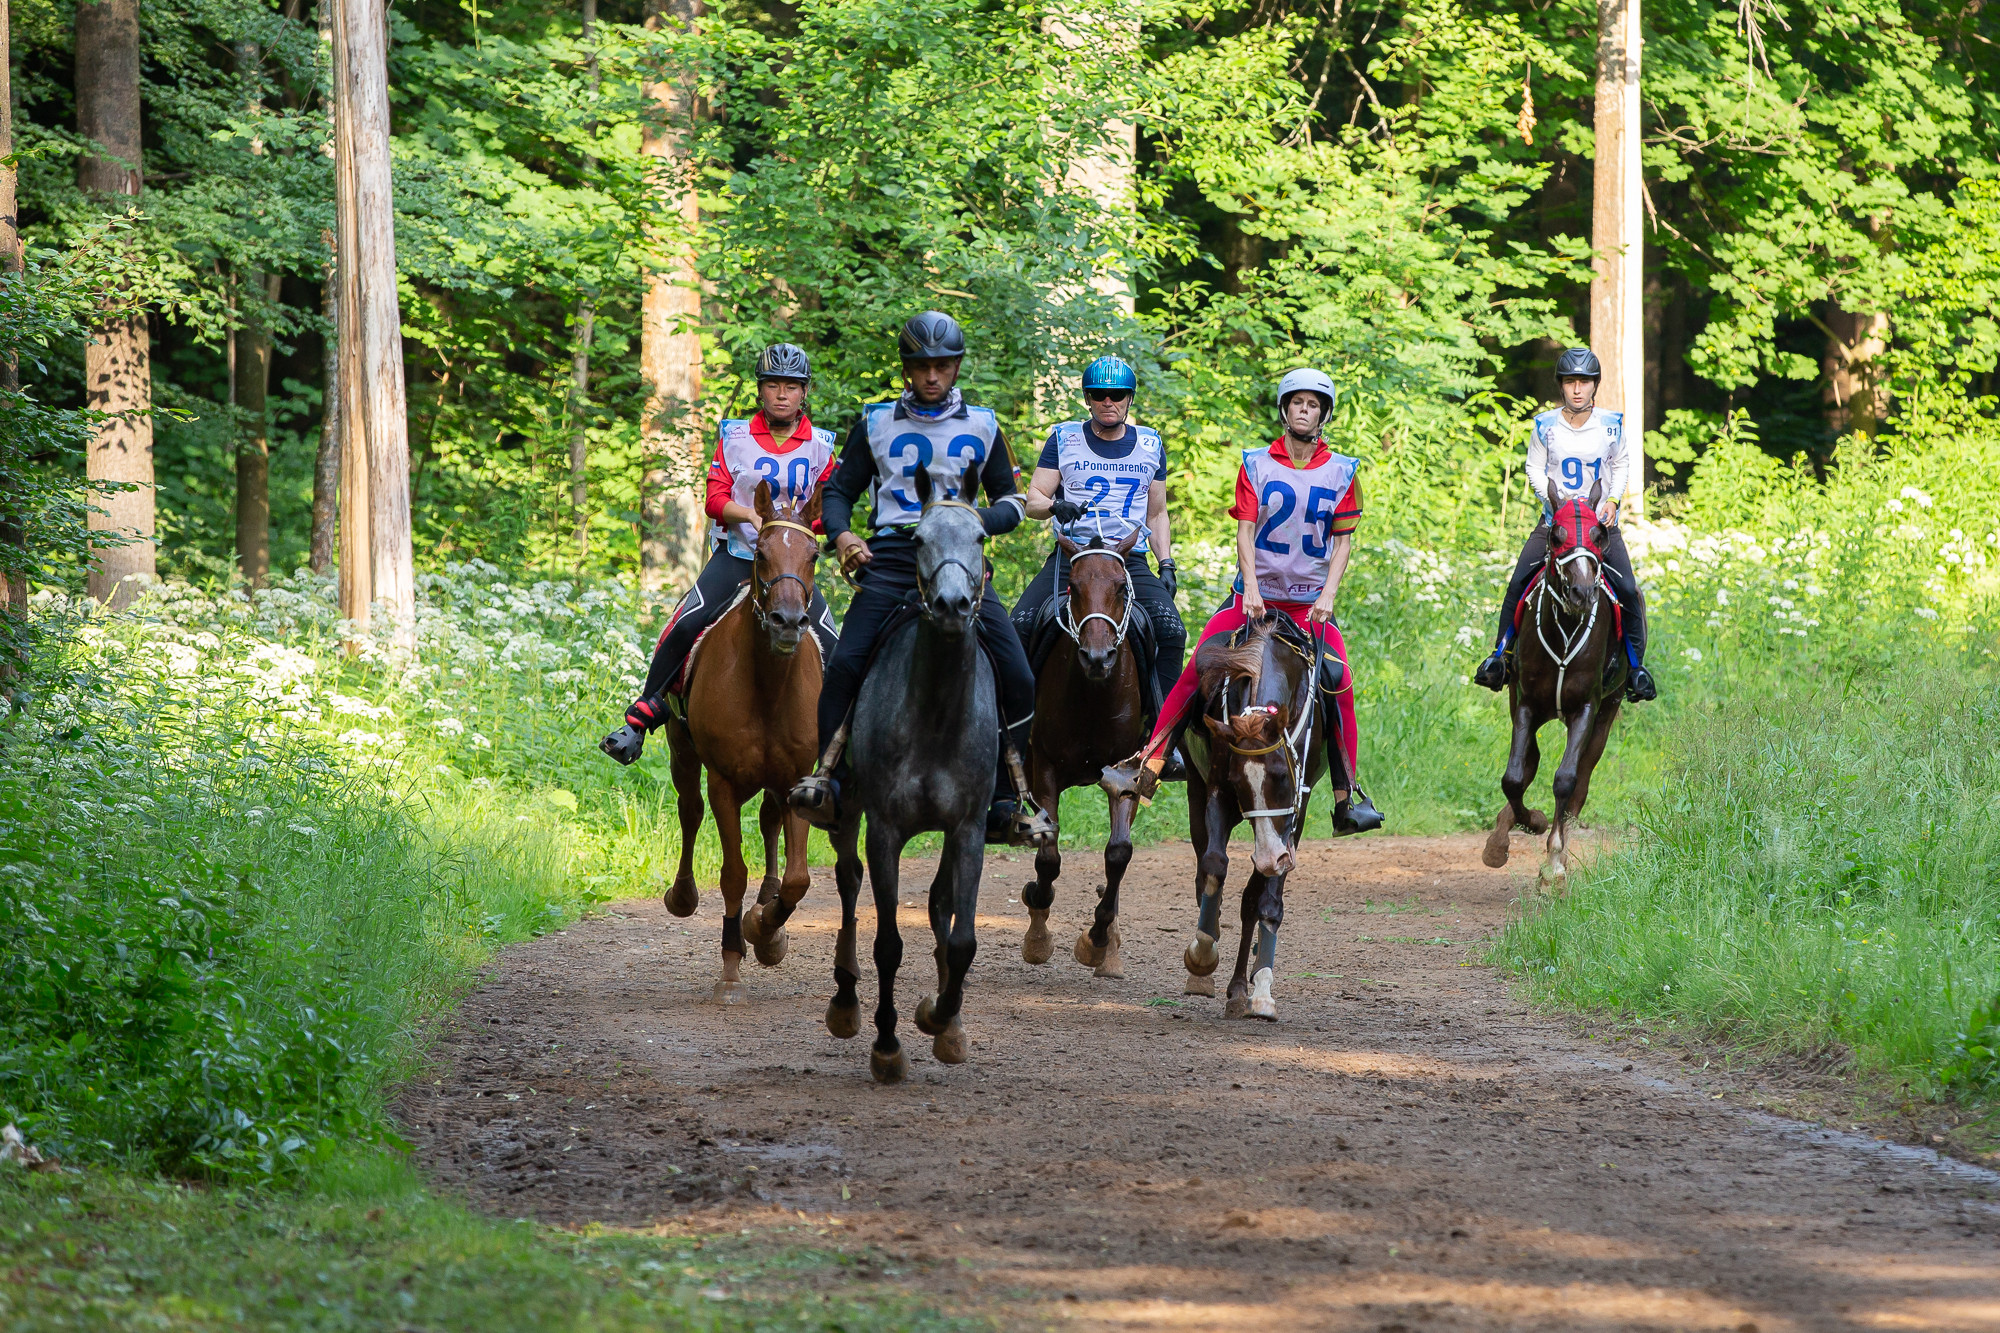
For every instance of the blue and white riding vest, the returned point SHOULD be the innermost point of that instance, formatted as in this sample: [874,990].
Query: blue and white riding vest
[1295,510]
[792,475]
[1113,490]
[942,446]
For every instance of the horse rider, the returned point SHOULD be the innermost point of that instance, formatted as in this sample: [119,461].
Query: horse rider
[1297,504]
[1120,470]
[780,445]
[930,426]
[1571,449]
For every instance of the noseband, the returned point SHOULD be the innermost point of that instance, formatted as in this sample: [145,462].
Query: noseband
[978,580]
[1119,627]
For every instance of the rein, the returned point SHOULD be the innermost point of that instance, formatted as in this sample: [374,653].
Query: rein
[1119,627]
[1573,640]
[1292,742]
[763,586]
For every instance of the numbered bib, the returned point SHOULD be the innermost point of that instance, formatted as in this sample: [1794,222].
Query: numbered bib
[792,475]
[904,444]
[1579,459]
[1295,508]
[1112,490]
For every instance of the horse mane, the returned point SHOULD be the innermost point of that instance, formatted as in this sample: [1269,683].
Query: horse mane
[1218,662]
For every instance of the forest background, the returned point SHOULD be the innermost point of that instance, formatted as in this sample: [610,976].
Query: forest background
[244,869]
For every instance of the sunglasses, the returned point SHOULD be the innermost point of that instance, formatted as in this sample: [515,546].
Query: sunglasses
[1107,395]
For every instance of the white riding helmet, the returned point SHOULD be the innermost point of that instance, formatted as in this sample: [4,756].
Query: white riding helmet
[1305,380]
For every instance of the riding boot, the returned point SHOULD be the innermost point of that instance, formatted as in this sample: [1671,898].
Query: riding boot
[1498,669]
[816,798]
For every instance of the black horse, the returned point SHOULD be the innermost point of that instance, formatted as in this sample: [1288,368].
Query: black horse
[925,741]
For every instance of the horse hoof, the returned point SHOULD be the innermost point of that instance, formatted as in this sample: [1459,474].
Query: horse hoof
[949,1045]
[1038,945]
[1201,957]
[1199,985]
[1495,854]
[1111,966]
[683,898]
[1538,821]
[731,992]
[769,889]
[1261,1003]
[752,924]
[1087,953]
[888,1067]
[770,952]
[843,1020]
[1238,1007]
[927,1019]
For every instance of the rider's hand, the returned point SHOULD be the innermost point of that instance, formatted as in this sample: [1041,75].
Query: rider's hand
[1322,609]
[1066,510]
[1253,603]
[1607,512]
[1170,577]
[854,552]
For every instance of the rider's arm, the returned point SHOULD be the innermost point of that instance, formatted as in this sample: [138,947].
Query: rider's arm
[1158,524]
[1006,509]
[1042,488]
[1246,564]
[850,482]
[721,483]
[1617,474]
[1538,465]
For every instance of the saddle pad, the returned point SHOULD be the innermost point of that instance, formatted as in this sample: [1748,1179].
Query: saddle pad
[677,688]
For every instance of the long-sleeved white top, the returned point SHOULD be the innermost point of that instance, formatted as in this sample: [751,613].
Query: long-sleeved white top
[1566,460]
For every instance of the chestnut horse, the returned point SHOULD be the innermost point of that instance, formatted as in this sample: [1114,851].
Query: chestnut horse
[1090,711]
[1256,757]
[752,703]
[1567,665]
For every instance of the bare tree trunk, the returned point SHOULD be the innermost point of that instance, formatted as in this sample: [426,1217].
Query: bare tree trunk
[378,563]
[326,461]
[13,522]
[671,522]
[586,323]
[1105,171]
[253,449]
[1617,292]
[1854,395]
[117,361]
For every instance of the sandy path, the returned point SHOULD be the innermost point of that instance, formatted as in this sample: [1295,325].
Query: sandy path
[1408,1148]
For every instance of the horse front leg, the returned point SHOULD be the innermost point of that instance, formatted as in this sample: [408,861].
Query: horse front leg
[954,916]
[1524,756]
[843,1011]
[1593,750]
[1098,947]
[764,924]
[1555,869]
[1270,915]
[735,879]
[1201,957]
[683,897]
[1238,1004]
[886,1060]
[1038,945]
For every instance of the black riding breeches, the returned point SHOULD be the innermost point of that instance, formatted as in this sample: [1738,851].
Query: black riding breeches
[1617,572]
[701,606]
[886,582]
[1169,634]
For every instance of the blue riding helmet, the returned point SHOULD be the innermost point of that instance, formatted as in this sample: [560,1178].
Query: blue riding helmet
[1109,372]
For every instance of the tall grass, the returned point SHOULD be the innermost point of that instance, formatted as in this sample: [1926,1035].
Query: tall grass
[1821,866]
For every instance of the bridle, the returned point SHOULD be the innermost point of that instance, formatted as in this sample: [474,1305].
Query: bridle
[978,581]
[1065,617]
[1575,640]
[764,586]
[1291,742]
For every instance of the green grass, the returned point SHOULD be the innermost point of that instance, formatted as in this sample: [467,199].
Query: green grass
[1823,868]
[366,1248]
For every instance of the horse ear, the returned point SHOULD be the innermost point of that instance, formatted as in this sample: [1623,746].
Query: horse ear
[968,485]
[1596,492]
[761,502]
[924,488]
[810,514]
[1069,548]
[1553,489]
[1124,548]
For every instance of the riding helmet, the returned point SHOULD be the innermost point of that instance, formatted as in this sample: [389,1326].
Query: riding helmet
[931,334]
[1306,380]
[1578,363]
[1109,372]
[783,361]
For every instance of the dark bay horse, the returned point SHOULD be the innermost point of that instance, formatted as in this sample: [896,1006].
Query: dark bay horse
[1567,666]
[922,750]
[1090,711]
[751,722]
[1256,757]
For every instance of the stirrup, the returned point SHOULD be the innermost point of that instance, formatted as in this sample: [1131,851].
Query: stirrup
[1639,686]
[1495,671]
[1357,814]
[1130,778]
[816,799]
[1028,825]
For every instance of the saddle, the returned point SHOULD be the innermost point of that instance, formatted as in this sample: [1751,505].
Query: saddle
[677,688]
[1332,671]
[1047,635]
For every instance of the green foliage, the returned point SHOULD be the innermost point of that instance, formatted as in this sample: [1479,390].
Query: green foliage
[1972,1065]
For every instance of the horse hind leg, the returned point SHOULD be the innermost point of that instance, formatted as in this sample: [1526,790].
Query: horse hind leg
[1238,1004]
[735,879]
[683,897]
[1098,947]
[1038,945]
[843,1011]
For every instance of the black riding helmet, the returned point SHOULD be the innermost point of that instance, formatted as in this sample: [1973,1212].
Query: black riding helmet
[1578,363]
[931,334]
[784,361]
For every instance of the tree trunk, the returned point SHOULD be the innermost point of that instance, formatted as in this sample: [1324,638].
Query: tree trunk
[1104,171]
[378,563]
[586,322]
[13,521]
[671,522]
[1853,394]
[117,361]
[253,447]
[326,461]
[1617,291]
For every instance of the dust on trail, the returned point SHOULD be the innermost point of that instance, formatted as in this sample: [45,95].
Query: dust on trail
[1407,1148]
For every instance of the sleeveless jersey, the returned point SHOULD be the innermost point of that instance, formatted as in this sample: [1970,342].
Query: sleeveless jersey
[1112,489]
[1295,512]
[942,446]
[792,475]
[1578,457]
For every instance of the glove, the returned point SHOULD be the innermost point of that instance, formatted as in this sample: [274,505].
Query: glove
[1067,511]
[624,744]
[1170,576]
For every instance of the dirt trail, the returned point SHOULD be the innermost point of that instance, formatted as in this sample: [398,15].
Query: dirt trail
[1407,1148]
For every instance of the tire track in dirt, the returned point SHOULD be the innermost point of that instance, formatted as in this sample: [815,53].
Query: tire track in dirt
[1407,1148]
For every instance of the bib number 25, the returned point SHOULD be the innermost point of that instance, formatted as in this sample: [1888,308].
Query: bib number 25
[1280,502]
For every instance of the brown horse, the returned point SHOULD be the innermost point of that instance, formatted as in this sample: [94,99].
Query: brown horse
[1090,711]
[751,722]
[1567,666]
[1256,757]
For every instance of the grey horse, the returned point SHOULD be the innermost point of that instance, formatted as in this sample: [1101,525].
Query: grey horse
[925,741]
